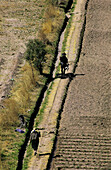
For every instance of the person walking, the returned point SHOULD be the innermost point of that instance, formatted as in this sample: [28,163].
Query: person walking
[34,140]
[64,63]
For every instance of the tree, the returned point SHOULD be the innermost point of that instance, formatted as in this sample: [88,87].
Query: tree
[35,54]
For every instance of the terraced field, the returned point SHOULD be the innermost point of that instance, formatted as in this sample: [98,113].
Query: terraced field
[84,137]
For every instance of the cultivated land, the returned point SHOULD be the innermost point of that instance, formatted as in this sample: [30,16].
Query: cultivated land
[84,138]
[19,22]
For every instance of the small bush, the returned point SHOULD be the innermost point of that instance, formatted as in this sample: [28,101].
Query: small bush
[35,54]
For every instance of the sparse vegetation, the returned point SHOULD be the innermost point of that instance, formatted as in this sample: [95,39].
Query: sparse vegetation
[28,157]
[68,28]
[41,111]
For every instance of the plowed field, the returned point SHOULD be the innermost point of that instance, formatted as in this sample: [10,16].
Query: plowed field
[84,138]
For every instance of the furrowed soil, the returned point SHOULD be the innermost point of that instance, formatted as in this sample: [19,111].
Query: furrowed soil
[84,137]
[19,22]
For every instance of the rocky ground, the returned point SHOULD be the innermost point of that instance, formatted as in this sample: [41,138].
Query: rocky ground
[84,138]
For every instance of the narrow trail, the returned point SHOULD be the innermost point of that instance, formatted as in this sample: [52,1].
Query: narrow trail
[84,135]
[23,150]
[56,98]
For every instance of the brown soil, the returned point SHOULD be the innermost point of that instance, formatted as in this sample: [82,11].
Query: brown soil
[84,139]
[19,22]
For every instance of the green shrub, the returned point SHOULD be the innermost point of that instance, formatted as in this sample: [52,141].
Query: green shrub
[35,54]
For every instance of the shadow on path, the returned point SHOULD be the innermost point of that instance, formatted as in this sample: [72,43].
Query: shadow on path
[68,75]
[43,154]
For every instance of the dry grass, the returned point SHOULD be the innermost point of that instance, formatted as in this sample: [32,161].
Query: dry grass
[18,103]
[51,12]
[53,17]
[21,94]
[47,27]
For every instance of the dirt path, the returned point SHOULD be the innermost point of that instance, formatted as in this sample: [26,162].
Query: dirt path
[57,92]
[84,138]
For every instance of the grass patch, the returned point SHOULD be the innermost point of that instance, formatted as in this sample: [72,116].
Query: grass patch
[10,149]
[22,98]
[40,115]
[28,157]
[68,27]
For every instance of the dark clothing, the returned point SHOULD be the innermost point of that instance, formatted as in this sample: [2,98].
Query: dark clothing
[34,138]
[64,63]
[35,144]
[63,60]
[23,123]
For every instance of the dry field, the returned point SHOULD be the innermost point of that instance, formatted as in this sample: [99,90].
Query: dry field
[19,22]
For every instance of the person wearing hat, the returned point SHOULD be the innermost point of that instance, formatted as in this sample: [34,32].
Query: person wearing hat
[34,139]
[64,63]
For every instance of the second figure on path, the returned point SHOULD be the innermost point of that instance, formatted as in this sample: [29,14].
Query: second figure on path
[64,63]
[34,139]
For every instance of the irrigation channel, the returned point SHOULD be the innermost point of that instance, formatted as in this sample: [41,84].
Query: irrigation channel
[43,91]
